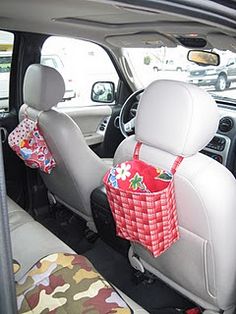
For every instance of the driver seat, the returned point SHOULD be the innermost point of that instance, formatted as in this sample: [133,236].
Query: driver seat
[179,119]
[78,169]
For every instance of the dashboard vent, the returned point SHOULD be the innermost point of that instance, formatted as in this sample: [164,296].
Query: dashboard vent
[226,124]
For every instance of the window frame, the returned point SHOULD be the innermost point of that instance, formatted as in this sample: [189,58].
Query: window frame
[9,83]
[122,81]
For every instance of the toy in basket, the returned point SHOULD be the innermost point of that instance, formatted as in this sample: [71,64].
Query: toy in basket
[142,200]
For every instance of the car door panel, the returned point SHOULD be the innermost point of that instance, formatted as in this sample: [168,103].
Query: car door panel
[91,120]
[14,166]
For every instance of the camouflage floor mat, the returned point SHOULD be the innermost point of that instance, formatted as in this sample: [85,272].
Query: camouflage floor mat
[67,283]
[118,271]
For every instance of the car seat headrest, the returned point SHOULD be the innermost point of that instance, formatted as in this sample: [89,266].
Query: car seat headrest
[43,87]
[176,117]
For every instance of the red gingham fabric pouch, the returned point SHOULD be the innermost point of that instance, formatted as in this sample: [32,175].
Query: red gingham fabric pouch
[142,201]
[28,143]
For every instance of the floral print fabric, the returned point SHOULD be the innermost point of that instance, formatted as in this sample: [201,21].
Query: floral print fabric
[142,201]
[28,143]
[136,175]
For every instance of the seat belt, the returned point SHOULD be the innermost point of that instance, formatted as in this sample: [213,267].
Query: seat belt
[7,291]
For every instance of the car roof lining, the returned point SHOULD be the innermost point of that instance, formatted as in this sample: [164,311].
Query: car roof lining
[98,20]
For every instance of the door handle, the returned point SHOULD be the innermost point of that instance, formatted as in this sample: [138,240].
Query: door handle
[4,134]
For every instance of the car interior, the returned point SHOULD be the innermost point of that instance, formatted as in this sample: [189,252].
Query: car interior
[60,252]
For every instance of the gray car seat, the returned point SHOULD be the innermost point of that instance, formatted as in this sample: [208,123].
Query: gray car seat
[48,265]
[78,169]
[176,118]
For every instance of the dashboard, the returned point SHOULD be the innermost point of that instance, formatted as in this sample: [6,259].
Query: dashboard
[222,147]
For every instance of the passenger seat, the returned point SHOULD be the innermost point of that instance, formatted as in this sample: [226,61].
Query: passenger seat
[52,277]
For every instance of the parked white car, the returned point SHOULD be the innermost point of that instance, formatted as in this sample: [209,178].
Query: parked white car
[5,68]
[55,62]
[49,60]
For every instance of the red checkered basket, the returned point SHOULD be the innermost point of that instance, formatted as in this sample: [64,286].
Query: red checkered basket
[146,215]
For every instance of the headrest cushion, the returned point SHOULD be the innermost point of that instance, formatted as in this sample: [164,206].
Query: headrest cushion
[176,117]
[43,87]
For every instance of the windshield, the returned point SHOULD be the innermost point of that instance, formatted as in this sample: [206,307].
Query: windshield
[149,64]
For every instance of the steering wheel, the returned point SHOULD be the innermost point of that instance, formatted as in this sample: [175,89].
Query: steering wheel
[127,110]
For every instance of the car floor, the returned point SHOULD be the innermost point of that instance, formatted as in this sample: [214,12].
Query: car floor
[155,297]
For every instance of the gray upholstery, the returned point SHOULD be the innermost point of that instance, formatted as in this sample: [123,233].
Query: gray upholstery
[202,264]
[43,87]
[170,117]
[31,242]
[108,161]
[78,169]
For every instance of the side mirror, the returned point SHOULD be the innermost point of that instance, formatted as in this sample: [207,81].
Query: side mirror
[103,92]
[202,57]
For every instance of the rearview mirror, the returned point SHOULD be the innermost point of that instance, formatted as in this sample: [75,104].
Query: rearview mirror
[103,92]
[202,57]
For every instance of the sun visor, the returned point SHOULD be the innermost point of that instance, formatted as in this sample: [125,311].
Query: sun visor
[142,40]
[222,41]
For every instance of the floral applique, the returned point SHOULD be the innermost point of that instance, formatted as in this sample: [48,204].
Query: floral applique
[137,183]
[123,171]
[138,176]
[25,153]
[36,134]
[112,178]
[29,144]
[163,175]
[143,203]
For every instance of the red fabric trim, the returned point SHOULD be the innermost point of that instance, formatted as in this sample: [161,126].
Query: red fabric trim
[194,310]
[176,164]
[137,150]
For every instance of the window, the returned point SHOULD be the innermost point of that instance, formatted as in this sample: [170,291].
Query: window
[81,64]
[149,64]
[6,47]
